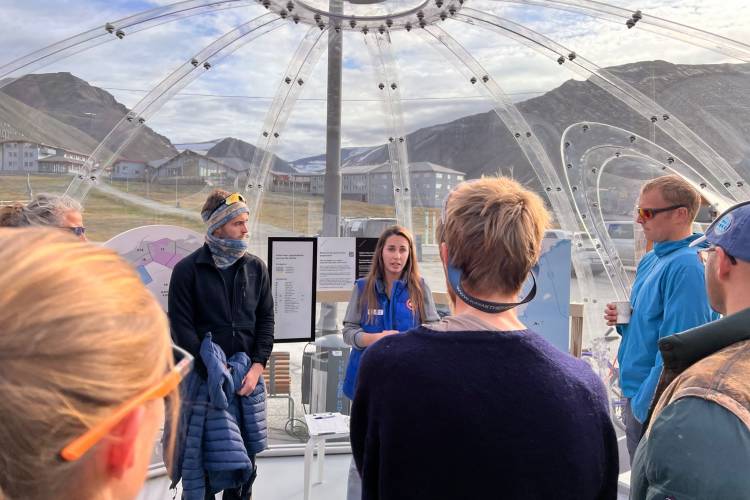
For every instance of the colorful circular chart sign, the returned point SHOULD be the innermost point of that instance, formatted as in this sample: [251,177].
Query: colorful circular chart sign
[154,251]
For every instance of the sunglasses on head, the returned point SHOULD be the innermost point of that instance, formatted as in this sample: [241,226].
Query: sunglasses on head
[650,213]
[183,364]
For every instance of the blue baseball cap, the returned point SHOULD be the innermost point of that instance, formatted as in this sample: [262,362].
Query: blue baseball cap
[730,231]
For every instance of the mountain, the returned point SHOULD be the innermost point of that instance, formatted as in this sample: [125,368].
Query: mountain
[93,111]
[236,152]
[197,147]
[349,157]
[34,125]
[712,100]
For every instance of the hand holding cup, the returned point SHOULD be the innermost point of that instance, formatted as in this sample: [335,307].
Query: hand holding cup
[617,313]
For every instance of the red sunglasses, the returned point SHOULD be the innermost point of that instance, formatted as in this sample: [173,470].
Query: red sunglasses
[650,213]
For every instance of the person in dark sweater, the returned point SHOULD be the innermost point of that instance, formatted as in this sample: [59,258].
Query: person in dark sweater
[223,290]
[477,405]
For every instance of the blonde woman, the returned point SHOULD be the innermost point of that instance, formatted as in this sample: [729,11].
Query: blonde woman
[85,362]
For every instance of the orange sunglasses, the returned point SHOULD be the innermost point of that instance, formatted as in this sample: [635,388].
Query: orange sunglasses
[80,445]
[650,213]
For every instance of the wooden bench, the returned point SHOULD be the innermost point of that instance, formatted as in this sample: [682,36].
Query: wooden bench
[278,378]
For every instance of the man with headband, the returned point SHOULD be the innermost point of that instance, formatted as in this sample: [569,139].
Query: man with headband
[478,405]
[223,290]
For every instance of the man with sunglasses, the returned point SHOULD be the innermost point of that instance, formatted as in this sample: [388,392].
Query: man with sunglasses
[668,294]
[223,290]
[697,443]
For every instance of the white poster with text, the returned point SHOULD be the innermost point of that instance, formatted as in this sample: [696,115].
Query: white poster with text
[291,265]
[336,264]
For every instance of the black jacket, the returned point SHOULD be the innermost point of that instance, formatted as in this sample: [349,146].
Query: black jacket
[198,304]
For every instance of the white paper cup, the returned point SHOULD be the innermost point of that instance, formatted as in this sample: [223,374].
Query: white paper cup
[623,312]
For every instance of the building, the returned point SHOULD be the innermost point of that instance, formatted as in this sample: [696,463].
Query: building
[8,131]
[311,183]
[124,169]
[290,183]
[191,167]
[20,155]
[356,182]
[429,183]
[60,164]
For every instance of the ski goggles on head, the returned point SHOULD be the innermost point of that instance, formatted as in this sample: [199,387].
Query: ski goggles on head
[234,198]
[650,213]
[183,364]
[229,200]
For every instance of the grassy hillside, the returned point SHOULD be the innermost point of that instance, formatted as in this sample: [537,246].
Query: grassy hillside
[106,216]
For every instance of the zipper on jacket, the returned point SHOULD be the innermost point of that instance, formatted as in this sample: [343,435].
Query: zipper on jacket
[238,275]
[392,305]
[228,299]
[226,296]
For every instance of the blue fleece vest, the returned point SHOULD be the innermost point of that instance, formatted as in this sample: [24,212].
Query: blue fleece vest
[390,314]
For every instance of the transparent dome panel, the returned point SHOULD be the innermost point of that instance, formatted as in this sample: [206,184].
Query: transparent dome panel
[143,114]
[363,8]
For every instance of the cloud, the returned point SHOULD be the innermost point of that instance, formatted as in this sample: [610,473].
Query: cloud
[234,96]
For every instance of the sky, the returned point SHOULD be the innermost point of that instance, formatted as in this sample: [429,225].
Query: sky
[233,98]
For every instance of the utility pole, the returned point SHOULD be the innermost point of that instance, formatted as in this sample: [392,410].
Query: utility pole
[332,186]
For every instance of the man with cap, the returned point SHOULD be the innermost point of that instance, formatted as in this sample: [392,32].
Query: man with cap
[697,440]
[223,290]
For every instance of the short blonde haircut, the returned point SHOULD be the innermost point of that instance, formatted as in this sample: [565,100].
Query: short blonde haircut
[493,228]
[79,335]
[676,191]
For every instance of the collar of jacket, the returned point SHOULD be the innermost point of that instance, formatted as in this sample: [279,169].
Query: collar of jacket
[205,257]
[682,350]
[666,247]
[380,285]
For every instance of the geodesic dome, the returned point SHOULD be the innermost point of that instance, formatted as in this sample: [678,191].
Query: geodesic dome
[581,100]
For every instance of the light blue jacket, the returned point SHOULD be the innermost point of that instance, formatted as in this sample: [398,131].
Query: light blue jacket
[668,297]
